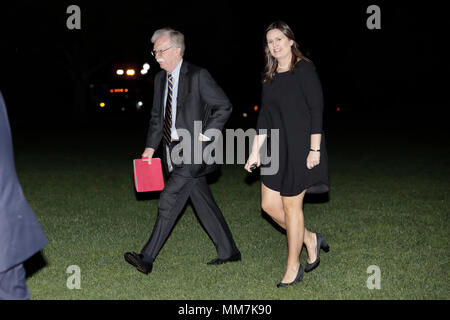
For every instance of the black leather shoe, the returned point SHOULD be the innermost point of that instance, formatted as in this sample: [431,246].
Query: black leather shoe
[137,261]
[234,257]
[297,279]
[321,244]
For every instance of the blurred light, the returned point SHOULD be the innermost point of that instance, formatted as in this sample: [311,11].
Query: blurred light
[119,72]
[123,109]
[130,72]
[146,66]
[91,86]
[140,103]
[118,90]
[338,109]
[244,115]
[255,108]
[102,104]
[144,71]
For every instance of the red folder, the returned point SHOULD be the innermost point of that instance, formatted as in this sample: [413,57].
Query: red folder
[148,177]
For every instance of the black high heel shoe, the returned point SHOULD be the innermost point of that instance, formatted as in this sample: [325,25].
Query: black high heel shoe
[321,244]
[297,279]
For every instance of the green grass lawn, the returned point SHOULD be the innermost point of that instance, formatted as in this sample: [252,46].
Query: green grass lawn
[388,206]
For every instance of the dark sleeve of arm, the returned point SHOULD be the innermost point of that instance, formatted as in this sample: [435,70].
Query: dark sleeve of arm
[219,106]
[263,121]
[154,135]
[312,90]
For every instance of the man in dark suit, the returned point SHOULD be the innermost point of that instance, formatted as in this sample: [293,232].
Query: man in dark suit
[20,233]
[185,95]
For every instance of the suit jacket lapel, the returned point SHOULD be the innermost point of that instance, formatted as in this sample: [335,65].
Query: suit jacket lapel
[182,89]
[162,83]
[182,85]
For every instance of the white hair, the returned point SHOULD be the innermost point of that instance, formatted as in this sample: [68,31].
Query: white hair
[176,37]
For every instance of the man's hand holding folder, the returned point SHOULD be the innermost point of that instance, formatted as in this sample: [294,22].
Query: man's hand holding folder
[148,174]
[148,153]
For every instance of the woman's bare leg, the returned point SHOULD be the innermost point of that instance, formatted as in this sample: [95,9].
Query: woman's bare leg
[272,204]
[295,230]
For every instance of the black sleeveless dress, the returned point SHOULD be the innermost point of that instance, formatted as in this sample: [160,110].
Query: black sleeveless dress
[293,103]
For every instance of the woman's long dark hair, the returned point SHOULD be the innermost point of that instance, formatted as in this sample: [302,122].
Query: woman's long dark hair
[271,64]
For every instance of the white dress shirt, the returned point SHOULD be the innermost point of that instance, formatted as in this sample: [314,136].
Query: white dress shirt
[175,77]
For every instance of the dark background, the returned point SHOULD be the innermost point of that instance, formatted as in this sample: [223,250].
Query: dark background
[393,78]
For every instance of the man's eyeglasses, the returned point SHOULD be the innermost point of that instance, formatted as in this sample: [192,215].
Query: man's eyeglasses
[156,52]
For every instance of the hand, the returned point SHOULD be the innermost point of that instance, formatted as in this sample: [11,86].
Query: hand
[313,159]
[203,138]
[148,153]
[253,158]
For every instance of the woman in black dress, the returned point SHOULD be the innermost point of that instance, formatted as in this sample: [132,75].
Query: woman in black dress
[292,102]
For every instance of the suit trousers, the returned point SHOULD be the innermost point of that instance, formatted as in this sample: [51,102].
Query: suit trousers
[178,189]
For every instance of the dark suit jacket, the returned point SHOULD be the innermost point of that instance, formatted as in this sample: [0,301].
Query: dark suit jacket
[20,233]
[199,99]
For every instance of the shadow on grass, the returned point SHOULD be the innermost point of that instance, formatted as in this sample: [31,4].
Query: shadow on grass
[35,263]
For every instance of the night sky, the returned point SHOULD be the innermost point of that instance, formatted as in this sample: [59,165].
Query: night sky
[388,78]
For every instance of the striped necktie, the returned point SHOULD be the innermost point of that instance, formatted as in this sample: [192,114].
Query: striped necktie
[168,113]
